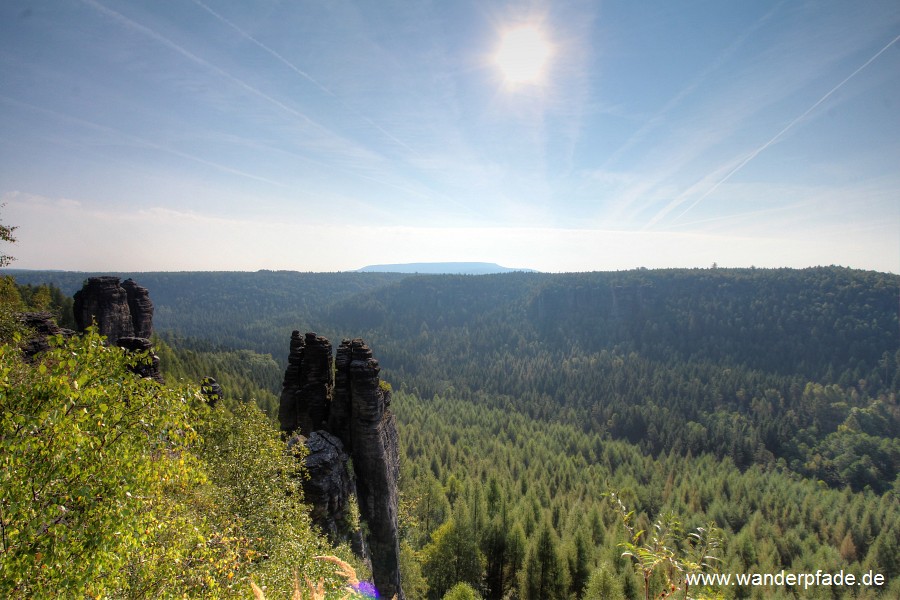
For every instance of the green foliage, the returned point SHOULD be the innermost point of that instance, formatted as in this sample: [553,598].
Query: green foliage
[10,305]
[772,518]
[92,461]
[113,485]
[6,235]
[762,400]
[544,576]
[415,586]
[254,488]
[244,375]
[461,591]
[603,585]
[666,553]
[16,298]
[452,555]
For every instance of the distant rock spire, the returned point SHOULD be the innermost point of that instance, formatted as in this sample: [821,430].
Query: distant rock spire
[123,313]
[119,310]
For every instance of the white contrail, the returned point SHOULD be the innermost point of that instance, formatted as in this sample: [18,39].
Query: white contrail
[138,141]
[238,82]
[777,136]
[196,59]
[302,73]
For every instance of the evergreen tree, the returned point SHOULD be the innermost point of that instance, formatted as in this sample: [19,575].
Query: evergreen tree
[603,585]
[544,577]
[578,557]
[453,556]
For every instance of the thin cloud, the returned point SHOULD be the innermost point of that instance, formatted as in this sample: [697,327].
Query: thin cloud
[303,74]
[758,85]
[343,146]
[774,139]
[138,141]
[660,117]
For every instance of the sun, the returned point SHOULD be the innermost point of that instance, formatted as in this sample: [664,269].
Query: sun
[523,55]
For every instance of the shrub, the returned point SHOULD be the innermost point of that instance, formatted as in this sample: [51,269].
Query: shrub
[113,485]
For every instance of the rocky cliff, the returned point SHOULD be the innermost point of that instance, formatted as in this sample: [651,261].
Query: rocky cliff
[350,406]
[43,326]
[122,312]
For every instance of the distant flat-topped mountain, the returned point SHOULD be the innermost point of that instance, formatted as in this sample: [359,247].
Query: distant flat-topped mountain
[453,268]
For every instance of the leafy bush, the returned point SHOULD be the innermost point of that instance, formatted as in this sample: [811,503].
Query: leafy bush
[113,485]
[94,461]
[462,591]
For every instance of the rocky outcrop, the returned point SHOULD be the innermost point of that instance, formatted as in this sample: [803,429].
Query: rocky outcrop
[211,390]
[103,301]
[330,489]
[146,368]
[373,445]
[307,385]
[123,313]
[350,406]
[141,308]
[119,310]
[41,327]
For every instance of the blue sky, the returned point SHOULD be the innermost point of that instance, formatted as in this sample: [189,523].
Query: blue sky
[325,136]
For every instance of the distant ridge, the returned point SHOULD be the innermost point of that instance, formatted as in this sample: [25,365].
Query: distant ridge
[444,268]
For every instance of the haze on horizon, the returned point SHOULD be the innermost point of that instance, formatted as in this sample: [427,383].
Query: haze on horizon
[564,136]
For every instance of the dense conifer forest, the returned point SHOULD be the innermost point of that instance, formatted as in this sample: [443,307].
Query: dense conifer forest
[751,410]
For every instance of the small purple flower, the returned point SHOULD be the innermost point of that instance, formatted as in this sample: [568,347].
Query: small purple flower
[366,589]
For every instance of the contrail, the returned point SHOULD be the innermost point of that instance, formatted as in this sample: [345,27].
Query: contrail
[196,59]
[137,140]
[240,83]
[689,89]
[302,73]
[777,136]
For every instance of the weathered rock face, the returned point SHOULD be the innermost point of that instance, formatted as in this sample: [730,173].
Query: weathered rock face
[350,407]
[43,324]
[141,308]
[211,391]
[120,310]
[123,313]
[330,488]
[103,300]
[307,385]
[373,445]
[139,345]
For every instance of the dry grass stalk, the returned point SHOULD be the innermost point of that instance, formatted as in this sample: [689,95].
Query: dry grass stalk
[317,591]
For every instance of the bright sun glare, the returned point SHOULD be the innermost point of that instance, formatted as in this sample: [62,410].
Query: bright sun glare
[523,54]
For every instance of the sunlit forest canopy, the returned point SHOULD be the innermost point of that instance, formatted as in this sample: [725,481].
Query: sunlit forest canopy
[761,400]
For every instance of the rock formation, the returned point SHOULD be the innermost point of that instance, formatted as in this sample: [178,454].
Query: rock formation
[119,310]
[351,407]
[309,377]
[211,391]
[123,313]
[150,368]
[330,489]
[43,325]
[141,308]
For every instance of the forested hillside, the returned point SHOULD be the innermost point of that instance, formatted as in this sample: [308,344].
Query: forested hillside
[764,401]
[234,310]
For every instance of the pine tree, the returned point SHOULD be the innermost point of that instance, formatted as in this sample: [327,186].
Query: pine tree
[544,577]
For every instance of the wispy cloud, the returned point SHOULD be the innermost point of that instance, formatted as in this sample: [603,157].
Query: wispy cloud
[661,116]
[774,139]
[323,138]
[686,140]
[281,59]
[116,136]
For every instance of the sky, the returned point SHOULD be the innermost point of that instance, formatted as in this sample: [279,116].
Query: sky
[318,135]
